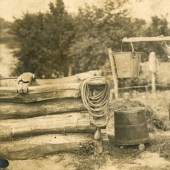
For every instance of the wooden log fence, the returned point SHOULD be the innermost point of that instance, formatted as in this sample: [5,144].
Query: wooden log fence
[39,146]
[40,93]
[25,110]
[50,118]
[50,124]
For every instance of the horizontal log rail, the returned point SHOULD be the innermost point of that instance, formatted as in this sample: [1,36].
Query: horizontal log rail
[51,124]
[145,86]
[10,110]
[145,39]
[40,93]
[39,146]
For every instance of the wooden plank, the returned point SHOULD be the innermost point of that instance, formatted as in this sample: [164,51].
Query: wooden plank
[153,68]
[20,110]
[4,90]
[40,93]
[71,79]
[44,88]
[36,97]
[11,81]
[8,82]
[114,76]
[36,147]
[62,123]
[140,39]
[52,88]
[29,98]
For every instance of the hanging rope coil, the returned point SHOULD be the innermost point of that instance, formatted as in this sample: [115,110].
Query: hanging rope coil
[96,101]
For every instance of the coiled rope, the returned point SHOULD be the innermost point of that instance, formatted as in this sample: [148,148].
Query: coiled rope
[95,102]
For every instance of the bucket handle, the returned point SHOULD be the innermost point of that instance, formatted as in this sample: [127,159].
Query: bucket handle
[133,51]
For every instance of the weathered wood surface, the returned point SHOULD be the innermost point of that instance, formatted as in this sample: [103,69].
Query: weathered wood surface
[12,82]
[53,87]
[71,79]
[36,147]
[51,124]
[40,93]
[114,76]
[153,68]
[26,110]
[36,97]
[39,146]
[8,82]
[44,88]
[139,39]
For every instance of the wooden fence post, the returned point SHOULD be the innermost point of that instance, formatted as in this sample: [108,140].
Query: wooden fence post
[153,68]
[70,71]
[113,68]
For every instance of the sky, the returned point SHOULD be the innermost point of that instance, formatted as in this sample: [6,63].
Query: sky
[15,8]
[139,8]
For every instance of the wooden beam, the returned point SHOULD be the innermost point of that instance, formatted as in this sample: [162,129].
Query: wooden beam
[51,124]
[44,88]
[36,97]
[53,87]
[40,93]
[8,82]
[11,81]
[153,68]
[19,110]
[39,146]
[153,80]
[70,79]
[114,76]
[140,39]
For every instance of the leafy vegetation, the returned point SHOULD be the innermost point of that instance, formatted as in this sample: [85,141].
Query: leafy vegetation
[52,42]
[44,41]
[4,27]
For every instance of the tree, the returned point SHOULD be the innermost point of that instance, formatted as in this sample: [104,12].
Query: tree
[51,42]
[44,41]
[158,26]
[99,27]
[4,26]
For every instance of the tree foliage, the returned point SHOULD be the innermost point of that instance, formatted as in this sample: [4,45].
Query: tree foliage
[4,24]
[51,42]
[100,28]
[158,26]
[44,41]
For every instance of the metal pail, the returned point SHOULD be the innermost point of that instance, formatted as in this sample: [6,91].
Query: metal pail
[130,126]
[127,64]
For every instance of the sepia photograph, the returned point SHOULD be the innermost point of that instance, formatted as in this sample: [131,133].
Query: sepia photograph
[84,85]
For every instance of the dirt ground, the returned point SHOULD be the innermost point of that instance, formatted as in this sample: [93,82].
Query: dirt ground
[146,161]
[155,157]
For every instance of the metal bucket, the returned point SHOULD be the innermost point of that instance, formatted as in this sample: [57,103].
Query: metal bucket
[130,126]
[127,64]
